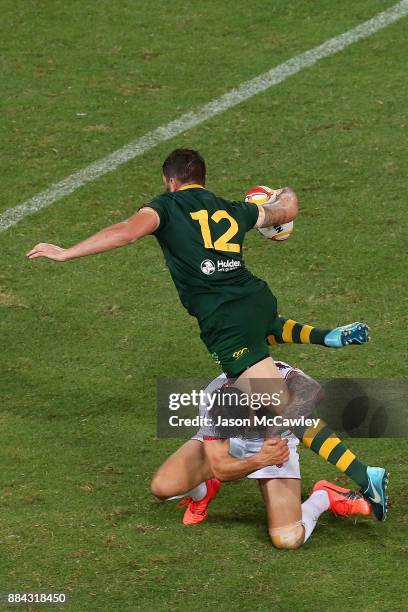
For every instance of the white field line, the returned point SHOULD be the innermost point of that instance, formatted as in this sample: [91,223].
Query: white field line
[243,92]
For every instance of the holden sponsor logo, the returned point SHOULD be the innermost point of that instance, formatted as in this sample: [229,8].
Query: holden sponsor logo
[226,265]
[207,267]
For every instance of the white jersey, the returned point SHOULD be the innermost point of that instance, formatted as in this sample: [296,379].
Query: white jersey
[246,447]
[217,383]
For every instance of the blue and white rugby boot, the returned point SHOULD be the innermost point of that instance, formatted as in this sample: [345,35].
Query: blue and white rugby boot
[353,333]
[376,491]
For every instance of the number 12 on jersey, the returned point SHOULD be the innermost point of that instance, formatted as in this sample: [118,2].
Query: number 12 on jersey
[223,242]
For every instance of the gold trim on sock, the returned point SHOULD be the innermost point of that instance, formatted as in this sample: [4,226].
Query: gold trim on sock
[272,340]
[305,334]
[287,330]
[345,460]
[327,446]
[311,433]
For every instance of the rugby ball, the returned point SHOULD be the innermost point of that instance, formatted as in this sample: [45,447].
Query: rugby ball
[261,194]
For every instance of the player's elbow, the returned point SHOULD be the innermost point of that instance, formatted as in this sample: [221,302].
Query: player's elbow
[218,473]
[128,236]
[216,466]
[124,233]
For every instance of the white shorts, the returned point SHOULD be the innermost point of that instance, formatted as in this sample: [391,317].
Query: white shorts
[242,449]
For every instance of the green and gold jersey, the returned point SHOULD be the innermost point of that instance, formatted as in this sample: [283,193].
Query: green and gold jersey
[201,236]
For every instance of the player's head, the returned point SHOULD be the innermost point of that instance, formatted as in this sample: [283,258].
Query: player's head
[181,167]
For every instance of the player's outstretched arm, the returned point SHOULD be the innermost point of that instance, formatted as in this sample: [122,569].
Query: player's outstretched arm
[142,223]
[284,209]
[225,467]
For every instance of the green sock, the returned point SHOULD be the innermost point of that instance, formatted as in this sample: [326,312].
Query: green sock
[298,333]
[324,442]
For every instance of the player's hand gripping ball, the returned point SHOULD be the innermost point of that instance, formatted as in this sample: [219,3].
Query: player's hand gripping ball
[260,194]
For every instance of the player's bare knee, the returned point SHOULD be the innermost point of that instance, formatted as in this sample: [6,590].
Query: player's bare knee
[289,537]
[158,488]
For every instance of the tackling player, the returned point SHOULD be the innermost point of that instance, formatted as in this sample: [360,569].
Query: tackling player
[201,236]
[202,463]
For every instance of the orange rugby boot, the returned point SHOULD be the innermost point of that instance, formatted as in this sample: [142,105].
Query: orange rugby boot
[343,502]
[197,511]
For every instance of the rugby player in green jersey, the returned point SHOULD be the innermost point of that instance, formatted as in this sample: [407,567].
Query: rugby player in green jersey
[210,274]
[201,236]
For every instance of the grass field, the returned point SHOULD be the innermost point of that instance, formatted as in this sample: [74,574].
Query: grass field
[83,343]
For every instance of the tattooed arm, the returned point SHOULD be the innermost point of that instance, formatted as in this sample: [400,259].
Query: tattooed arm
[284,209]
[305,394]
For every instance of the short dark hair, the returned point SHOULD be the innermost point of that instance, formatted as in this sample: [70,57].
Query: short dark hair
[185,165]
